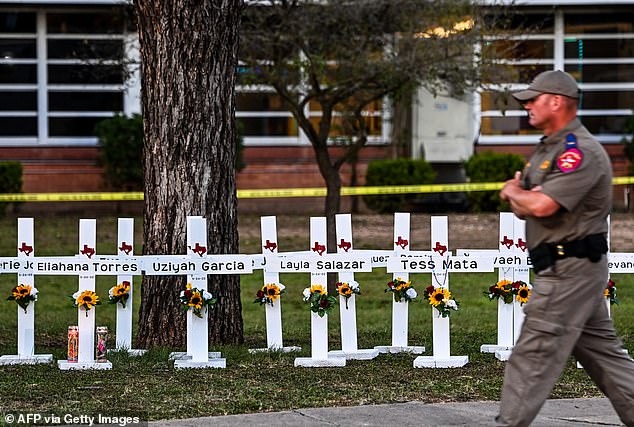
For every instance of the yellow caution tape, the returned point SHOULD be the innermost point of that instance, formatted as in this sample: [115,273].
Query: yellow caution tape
[358,191]
[279,192]
[623,180]
[70,197]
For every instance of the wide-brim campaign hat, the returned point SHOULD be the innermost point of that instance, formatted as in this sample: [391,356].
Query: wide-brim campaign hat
[554,82]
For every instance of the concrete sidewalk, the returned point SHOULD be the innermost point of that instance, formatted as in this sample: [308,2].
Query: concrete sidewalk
[555,413]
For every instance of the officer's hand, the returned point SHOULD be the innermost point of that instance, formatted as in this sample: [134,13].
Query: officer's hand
[511,186]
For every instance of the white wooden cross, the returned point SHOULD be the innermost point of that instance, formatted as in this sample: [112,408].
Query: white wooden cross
[86,318]
[505,311]
[402,244]
[198,355]
[518,246]
[348,309]
[319,325]
[26,318]
[441,337]
[511,241]
[273,312]
[511,260]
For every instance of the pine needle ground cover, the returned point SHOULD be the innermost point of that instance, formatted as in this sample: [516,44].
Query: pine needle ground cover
[150,388]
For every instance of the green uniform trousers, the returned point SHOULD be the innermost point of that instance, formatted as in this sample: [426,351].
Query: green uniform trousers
[566,314]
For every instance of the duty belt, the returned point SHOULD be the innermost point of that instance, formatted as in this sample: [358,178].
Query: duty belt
[545,255]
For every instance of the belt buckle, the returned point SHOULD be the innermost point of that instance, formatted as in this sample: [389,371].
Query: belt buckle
[560,250]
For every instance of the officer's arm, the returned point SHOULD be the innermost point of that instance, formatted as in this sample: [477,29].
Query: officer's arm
[528,202]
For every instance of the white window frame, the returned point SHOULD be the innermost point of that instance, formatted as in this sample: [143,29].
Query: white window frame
[302,139]
[559,61]
[130,89]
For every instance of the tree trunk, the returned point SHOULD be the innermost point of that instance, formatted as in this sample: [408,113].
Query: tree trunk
[354,200]
[333,205]
[401,134]
[189,57]
[332,179]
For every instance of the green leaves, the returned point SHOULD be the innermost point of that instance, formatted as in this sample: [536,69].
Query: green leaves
[396,172]
[121,141]
[491,167]
[10,180]
[321,303]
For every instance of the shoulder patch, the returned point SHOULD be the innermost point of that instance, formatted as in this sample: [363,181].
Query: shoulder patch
[571,141]
[570,160]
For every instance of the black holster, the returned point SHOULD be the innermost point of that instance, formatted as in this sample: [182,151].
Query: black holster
[545,255]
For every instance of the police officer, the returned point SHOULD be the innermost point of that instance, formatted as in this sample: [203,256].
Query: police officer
[565,195]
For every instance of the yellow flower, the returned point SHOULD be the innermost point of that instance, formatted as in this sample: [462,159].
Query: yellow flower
[121,289]
[403,286]
[502,283]
[272,291]
[21,291]
[196,300]
[87,299]
[188,286]
[439,295]
[606,293]
[345,290]
[318,289]
[523,293]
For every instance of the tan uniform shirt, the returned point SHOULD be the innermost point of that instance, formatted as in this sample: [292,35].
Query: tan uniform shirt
[566,312]
[584,192]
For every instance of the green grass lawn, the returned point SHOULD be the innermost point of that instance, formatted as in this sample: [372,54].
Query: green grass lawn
[149,387]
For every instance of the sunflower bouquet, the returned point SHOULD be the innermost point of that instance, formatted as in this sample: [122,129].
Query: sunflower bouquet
[347,289]
[403,291]
[502,289]
[196,299]
[320,302]
[85,300]
[119,293]
[610,292]
[269,293]
[23,295]
[441,300]
[521,291]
